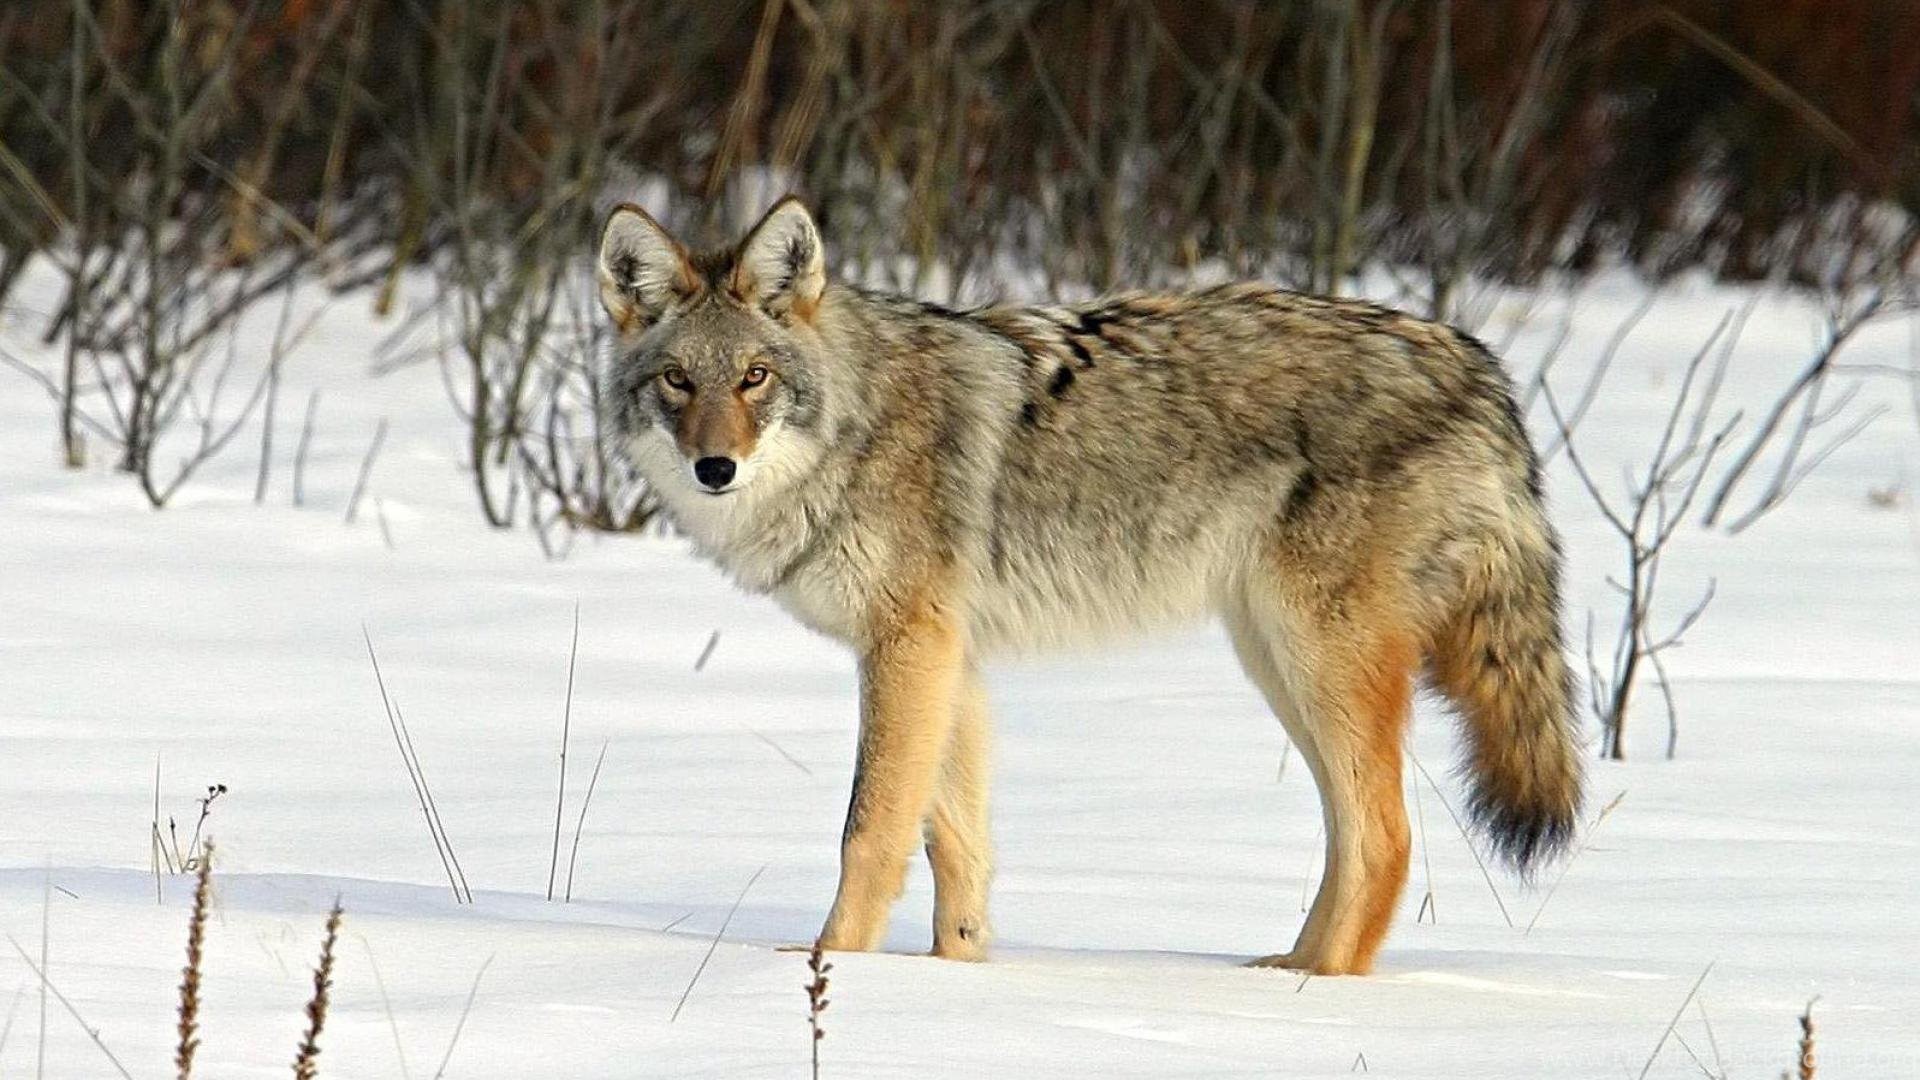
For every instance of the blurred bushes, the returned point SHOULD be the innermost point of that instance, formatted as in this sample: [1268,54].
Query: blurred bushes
[1104,142]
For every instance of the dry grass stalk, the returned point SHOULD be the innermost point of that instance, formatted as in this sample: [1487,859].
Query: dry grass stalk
[403,741]
[305,1060]
[817,1000]
[1585,842]
[156,847]
[194,852]
[707,653]
[46,987]
[189,1025]
[1673,1023]
[386,1006]
[566,732]
[1466,836]
[300,451]
[781,750]
[714,944]
[1429,906]
[6,1030]
[366,469]
[460,1025]
[573,859]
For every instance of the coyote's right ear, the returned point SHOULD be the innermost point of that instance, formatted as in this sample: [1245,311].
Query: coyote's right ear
[642,269]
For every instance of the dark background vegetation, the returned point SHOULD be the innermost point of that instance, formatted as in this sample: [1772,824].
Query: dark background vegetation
[1106,142]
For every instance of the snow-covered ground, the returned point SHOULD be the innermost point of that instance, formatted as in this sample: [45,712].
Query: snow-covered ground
[1148,835]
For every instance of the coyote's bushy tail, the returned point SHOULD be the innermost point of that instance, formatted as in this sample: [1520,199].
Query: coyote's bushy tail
[1498,658]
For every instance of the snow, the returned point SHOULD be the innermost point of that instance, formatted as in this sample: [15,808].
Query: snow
[1149,835]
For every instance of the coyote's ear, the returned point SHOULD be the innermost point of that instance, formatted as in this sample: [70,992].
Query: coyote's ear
[780,265]
[642,269]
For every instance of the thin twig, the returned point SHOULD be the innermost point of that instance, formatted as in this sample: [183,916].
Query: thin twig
[791,760]
[419,787]
[1713,1042]
[433,805]
[566,731]
[1671,1024]
[1468,837]
[1585,842]
[47,987]
[386,1005]
[366,469]
[300,453]
[277,353]
[587,800]
[46,940]
[1429,904]
[714,944]
[1594,378]
[460,1025]
[1693,1056]
[157,850]
[1840,330]
[6,1030]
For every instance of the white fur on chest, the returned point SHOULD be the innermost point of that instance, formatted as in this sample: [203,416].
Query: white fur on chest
[765,545]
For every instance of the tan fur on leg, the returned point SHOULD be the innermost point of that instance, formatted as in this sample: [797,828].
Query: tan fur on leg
[1381,707]
[1343,686]
[1257,640]
[958,845]
[910,679]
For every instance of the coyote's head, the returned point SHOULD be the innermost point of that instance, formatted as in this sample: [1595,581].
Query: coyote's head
[716,376]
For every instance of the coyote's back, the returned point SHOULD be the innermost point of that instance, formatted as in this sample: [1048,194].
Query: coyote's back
[1349,488]
[1174,454]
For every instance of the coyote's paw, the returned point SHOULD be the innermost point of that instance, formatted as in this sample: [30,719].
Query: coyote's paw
[1298,961]
[962,949]
[1285,960]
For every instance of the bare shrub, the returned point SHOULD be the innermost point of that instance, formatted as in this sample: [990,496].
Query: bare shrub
[154,292]
[166,848]
[1803,408]
[516,216]
[1645,518]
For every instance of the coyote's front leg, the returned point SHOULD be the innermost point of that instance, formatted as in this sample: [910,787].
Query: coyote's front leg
[958,846]
[909,679]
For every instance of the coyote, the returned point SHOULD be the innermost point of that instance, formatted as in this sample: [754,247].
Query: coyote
[1349,488]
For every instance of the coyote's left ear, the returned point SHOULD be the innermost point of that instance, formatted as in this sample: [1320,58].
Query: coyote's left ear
[780,266]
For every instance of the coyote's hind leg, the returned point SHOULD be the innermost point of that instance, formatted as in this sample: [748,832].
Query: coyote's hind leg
[1343,688]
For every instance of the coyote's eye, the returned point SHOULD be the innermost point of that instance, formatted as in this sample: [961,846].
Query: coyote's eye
[677,379]
[756,375]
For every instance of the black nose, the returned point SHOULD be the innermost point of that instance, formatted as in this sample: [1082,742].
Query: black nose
[715,472]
